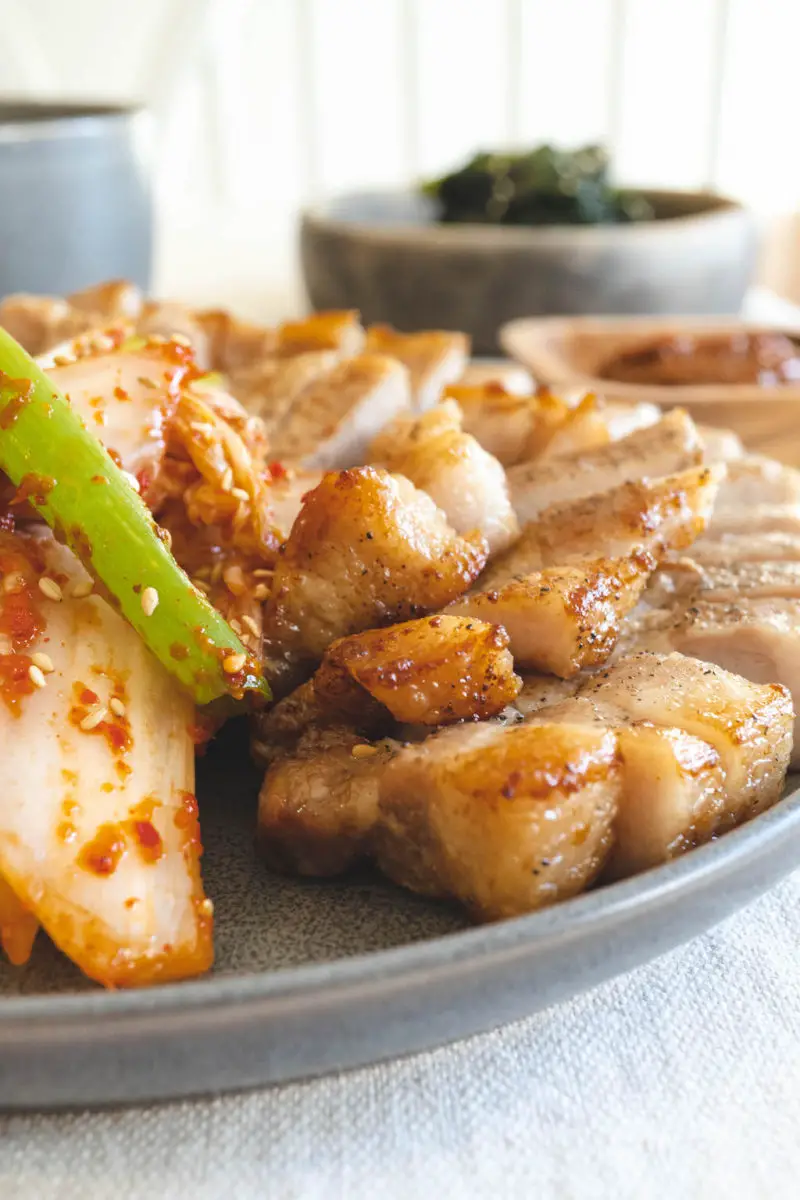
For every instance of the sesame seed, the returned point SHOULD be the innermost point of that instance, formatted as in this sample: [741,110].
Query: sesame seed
[116,706]
[102,343]
[233,663]
[132,480]
[93,718]
[363,750]
[63,360]
[36,677]
[149,601]
[263,573]
[43,661]
[206,908]
[165,537]
[261,591]
[13,582]
[251,625]
[240,493]
[235,625]
[234,580]
[182,340]
[226,480]
[48,587]
[201,585]
[203,573]
[146,381]
[83,589]
[216,572]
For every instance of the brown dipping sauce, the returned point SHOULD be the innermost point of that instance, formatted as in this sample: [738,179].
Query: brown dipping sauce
[764,359]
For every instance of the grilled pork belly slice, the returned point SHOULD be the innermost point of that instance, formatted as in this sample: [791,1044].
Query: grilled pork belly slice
[468,484]
[502,819]
[720,445]
[367,549]
[318,805]
[434,358]
[686,582]
[764,518]
[432,671]
[758,639]
[657,514]
[270,388]
[518,427]
[334,419]
[671,445]
[748,724]
[337,329]
[726,548]
[563,619]
[99,837]
[754,480]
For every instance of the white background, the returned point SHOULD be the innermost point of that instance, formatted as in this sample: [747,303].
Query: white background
[265,104]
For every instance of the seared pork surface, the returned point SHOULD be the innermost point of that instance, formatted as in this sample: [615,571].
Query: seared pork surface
[466,482]
[671,445]
[434,358]
[367,549]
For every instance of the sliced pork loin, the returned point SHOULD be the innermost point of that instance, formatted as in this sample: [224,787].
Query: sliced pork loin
[333,420]
[465,481]
[673,444]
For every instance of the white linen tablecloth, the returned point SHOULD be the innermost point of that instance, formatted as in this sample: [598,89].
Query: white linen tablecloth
[679,1080]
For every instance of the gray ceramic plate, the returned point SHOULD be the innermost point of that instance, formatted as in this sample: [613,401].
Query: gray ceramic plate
[315,977]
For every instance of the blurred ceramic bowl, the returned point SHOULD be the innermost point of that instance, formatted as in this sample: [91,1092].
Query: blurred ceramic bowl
[568,354]
[74,197]
[385,254]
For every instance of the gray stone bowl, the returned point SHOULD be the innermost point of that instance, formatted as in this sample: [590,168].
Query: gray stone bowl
[384,254]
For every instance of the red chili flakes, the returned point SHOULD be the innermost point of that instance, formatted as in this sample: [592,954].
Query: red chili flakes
[102,854]
[276,471]
[20,616]
[22,390]
[115,729]
[15,681]
[121,394]
[188,821]
[178,651]
[149,840]
[35,488]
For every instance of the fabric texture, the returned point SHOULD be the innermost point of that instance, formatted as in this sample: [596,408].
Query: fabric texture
[679,1080]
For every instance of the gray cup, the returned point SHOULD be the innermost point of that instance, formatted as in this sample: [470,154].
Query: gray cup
[75,204]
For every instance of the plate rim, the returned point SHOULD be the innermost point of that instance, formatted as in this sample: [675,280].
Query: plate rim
[423,961]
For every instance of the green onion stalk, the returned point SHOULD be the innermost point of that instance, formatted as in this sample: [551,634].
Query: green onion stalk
[72,482]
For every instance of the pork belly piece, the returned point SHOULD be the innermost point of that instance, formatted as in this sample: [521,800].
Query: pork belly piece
[232,344]
[270,388]
[432,671]
[333,420]
[40,322]
[434,358]
[754,480]
[758,639]
[503,819]
[720,445]
[687,581]
[466,482]
[110,301]
[367,549]
[671,445]
[763,518]
[748,724]
[726,548]
[516,428]
[563,619]
[657,514]
[338,330]
[673,793]
[318,805]
[99,838]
